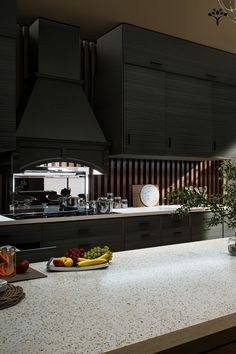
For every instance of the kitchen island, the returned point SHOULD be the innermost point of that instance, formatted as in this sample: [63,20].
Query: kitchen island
[144,295]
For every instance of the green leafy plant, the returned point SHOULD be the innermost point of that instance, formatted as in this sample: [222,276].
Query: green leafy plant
[222,206]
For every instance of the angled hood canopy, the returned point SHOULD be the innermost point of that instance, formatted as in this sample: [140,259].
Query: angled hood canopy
[56,109]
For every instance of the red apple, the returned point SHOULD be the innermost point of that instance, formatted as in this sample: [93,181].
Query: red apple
[58,262]
[22,266]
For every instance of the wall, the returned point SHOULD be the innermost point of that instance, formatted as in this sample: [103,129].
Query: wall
[125,172]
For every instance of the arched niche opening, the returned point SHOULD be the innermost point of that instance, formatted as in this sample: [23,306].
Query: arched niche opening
[39,186]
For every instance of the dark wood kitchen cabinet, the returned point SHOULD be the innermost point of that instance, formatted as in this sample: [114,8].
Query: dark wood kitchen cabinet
[175,230]
[8,21]
[224,119]
[142,232]
[188,116]
[7,75]
[200,228]
[21,236]
[155,94]
[85,234]
[143,110]
[7,94]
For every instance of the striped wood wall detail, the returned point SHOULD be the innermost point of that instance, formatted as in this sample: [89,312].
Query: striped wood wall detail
[123,173]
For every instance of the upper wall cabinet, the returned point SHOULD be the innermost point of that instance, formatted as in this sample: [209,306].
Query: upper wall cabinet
[224,124]
[7,74]
[8,18]
[153,49]
[188,116]
[156,94]
[144,110]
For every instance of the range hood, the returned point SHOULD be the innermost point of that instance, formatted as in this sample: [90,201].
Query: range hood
[57,120]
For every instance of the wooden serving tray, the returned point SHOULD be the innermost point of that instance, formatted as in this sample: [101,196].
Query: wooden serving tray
[52,268]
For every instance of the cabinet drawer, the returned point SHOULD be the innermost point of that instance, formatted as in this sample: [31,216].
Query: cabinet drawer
[85,234]
[200,233]
[173,221]
[115,242]
[201,219]
[201,230]
[227,232]
[62,245]
[68,230]
[156,50]
[20,234]
[134,240]
[172,236]
[142,224]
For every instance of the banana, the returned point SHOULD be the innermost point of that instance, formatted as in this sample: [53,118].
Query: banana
[89,262]
[104,256]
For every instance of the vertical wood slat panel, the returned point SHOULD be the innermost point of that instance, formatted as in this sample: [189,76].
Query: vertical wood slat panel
[167,174]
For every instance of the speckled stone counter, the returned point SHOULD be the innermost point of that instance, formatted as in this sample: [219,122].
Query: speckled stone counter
[119,213]
[143,294]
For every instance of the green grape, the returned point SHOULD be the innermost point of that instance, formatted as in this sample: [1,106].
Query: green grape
[110,255]
[95,255]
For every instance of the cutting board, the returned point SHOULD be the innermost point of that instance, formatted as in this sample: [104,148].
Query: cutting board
[136,191]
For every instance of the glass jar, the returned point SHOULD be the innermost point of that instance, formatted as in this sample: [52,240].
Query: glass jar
[110,196]
[124,203]
[117,203]
[7,261]
[232,245]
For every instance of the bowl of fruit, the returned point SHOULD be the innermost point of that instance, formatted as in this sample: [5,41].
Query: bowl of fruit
[76,259]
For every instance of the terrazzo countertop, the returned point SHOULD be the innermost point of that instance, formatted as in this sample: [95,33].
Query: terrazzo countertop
[143,294]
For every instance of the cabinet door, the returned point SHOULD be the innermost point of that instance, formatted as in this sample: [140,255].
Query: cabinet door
[142,232]
[201,230]
[152,49]
[224,120]
[7,94]
[188,110]
[144,115]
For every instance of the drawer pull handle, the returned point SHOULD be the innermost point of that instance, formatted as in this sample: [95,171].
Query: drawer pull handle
[145,235]
[83,231]
[85,245]
[214,145]
[143,223]
[129,139]
[152,62]
[210,76]
[177,232]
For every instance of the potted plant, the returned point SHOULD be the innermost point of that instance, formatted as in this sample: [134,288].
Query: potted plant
[222,206]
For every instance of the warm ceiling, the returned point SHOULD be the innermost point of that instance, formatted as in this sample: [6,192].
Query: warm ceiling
[186,19]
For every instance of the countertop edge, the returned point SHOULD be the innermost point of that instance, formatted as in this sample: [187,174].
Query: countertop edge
[200,336]
[90,217]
